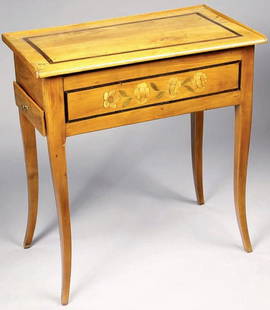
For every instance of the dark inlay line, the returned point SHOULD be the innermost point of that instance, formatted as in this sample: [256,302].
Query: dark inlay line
[151,105]
[39,50]
[49,60]
[217,23]
[160,103]
[138,50]
[240,75]
[66,107]
[112,25]
[152,76]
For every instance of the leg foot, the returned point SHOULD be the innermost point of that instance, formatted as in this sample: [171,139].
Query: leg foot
[196,151]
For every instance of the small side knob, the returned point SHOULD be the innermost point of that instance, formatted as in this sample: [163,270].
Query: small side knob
[24,107]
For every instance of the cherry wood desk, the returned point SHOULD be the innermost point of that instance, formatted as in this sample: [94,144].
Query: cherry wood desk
[81,78]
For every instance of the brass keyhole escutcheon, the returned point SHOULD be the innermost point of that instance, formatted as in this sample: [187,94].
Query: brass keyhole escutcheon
[24,107]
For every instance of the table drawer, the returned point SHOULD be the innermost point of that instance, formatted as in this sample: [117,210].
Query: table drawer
[29,108]
[151,90]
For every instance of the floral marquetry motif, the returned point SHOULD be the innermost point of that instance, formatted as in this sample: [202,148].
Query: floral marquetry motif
[174,86]
[199,81]
[143,92]
[110,99]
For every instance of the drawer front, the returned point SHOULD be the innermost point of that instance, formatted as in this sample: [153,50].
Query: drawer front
[30,109]
[151,90]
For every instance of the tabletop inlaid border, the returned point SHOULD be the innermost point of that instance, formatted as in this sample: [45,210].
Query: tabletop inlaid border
[239,62]
[49,60]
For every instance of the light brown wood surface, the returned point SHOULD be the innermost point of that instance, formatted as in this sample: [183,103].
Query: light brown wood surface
[243,119]
[153,89]
[31,165]
[150,66]
[141,70]
[28,80]
[153,113]
[126,40]
[30,109]
[56,138]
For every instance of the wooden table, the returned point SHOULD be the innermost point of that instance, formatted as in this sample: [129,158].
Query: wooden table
[81,78]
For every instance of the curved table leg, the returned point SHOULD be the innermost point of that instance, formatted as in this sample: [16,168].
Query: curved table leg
[243,117]
[59,175]
[196,151]
[31,164]
[56,138]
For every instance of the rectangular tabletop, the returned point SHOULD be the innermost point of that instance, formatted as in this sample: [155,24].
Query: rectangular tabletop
[127,40]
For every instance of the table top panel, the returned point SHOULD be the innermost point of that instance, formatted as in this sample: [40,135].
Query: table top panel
[95,45]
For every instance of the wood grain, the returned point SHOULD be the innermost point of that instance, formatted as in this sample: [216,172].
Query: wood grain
[153,113]
[126,40]
[130,37]
[31,165]
[53,101]
[243,118]
[27,79]
[152,89]
[30,109]
[197,153]
[127,72]
[90,103]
